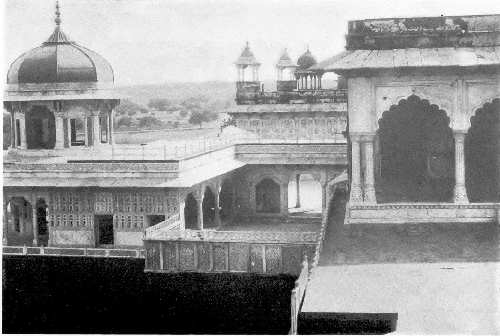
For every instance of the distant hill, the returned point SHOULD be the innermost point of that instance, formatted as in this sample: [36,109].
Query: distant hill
[216,91]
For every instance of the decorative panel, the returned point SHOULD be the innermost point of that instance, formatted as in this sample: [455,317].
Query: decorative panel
[273,259]
[187,256]
[169,256]
[238,257]
[256,262]
[152,255]
[220,257]
[103,203]
[292,259]
[203,250]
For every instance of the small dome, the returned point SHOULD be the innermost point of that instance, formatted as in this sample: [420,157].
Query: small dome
[59,60]
[306,61]
[247,57]
[285,61]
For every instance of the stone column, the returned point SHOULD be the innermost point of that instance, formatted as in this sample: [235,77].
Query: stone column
[217,209]
[369,185]
[96,130]
[460,193]
[22,130]
[86,129]
[324,196]
[35,223]
[59,131]
[284,198]
[12,130]
[297,188]
[356,195]
[111,140]
[5,221]
[182,218]
[200,212]
[68,133]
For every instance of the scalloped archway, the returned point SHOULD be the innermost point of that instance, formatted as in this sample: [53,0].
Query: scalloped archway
[415,153]
[191,212]
[482,154]
[208,206]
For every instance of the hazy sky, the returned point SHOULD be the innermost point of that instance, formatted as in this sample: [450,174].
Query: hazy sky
[156,41]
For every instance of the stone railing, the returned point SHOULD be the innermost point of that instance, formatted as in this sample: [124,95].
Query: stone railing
[172,223]
[403,213]
[73,252]
[297,297]
[290,97]
[173,256]
[168,151]
[263,237]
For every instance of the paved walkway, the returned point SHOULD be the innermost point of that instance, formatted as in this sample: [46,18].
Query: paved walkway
[429,298]
[439,279]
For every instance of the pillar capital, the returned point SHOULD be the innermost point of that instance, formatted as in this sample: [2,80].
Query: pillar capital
[362,136]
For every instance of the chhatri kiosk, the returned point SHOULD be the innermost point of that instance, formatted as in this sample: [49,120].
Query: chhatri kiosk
[424,118]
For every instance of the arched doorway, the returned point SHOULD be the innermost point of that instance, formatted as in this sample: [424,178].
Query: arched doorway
[19,221]
[42,222]
[482,154]
[191,212]
[415,153]
[208,207]
[267,196]
[40,128]
[304,194]
[226,200]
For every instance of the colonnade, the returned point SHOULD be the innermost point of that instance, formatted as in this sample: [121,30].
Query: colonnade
[65,130]
[309,81]
[363,182]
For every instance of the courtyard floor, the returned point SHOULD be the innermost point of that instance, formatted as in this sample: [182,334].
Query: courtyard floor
[429,298]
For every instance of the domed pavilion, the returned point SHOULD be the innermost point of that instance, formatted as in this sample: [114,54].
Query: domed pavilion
[60,95]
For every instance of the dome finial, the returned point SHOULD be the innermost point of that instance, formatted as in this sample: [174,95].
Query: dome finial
[57,20]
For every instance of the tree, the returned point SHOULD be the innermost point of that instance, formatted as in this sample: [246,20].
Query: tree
[149,122]
[124,122]
[159,104]
[200,116]
[129,108]
[197,118]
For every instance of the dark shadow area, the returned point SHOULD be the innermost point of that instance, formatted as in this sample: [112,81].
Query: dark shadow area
[482,154]
[416,153]
[40,128]
[191,212]
[267,196]
[208,208]
[100,295]
[346,324]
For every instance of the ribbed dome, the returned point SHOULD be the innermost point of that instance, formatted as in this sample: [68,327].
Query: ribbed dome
[285,61]
[59,60]
[306,61]
[247,57]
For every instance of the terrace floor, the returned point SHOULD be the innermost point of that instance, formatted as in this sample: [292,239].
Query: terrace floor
[437,278]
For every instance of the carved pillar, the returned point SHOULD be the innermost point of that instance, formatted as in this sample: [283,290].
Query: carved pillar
[369,185]
[96,130]
[5,221]
[200,209]
[356,195]
[86,129]
[297,187]
[216,208]
[460,193]
[59,131]
[324,196]
[12,130]
[182,207]
[68,132]
[111,129]
[34,218]
[22,130]
[284,198]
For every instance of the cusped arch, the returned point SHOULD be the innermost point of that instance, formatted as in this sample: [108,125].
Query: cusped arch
[401,101]
[433,95]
